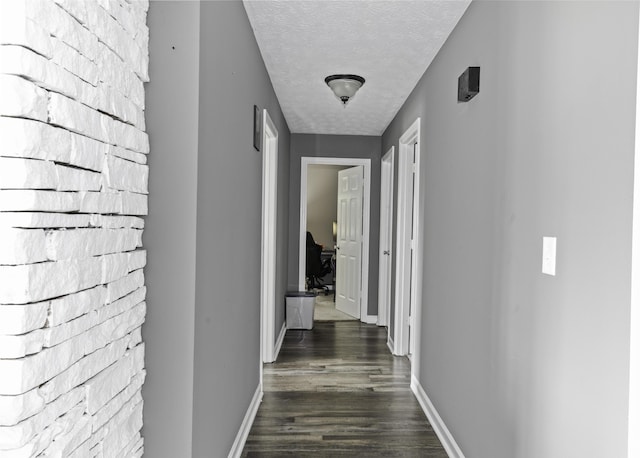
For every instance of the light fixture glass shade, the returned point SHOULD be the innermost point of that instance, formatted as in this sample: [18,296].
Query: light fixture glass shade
[344,86]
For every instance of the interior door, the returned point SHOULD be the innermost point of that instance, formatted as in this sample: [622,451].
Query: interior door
[414,235]
[386,231]
[349,241]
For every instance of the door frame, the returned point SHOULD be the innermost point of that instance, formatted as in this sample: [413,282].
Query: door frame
[269,229]
[408,268]
[366,212]
[387,166]
[633,446]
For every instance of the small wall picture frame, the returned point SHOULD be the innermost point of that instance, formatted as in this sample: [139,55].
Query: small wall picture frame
[257,127]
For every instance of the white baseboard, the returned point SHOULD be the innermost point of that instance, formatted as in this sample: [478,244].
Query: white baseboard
[390,344]
[245,427]
[441,430]
[276,350]
[370,319]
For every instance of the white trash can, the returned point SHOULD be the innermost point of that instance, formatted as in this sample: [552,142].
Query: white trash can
[300,307]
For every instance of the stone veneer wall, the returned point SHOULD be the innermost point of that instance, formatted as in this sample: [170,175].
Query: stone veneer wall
[73,188]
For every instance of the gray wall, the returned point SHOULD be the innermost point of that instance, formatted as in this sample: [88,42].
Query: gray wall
[227,317]
[170,233]
[351,146]
[204,226]
[520,364]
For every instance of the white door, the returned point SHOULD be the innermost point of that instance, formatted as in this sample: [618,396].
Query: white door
[413,278]
[386,240]
[269,227]
[349,241]
[406,333]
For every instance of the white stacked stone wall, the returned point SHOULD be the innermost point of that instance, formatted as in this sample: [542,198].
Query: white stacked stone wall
[73,190]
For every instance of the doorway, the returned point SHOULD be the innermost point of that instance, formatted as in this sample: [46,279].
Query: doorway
[268,251]
[306,162]
[408,249]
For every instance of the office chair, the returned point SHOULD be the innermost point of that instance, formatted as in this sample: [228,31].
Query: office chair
[315,267]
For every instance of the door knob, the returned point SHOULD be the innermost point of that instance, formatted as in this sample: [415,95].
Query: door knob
[386,252]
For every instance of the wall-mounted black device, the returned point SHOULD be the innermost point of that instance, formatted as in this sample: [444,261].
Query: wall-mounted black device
[468,84]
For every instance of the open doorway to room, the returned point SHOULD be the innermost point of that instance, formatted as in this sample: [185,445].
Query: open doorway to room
[322,239]
[334,212]
[322,217]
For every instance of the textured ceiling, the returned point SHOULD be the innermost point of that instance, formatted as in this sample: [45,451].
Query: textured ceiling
[389,43]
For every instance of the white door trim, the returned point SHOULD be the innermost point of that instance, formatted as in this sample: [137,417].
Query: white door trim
[406,290]
[633,449]
[269,222]
[366,163]
[386,234]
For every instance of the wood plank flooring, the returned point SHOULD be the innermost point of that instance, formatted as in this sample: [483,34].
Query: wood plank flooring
[336,391]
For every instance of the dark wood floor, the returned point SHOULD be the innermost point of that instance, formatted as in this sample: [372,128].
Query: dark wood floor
[336,391]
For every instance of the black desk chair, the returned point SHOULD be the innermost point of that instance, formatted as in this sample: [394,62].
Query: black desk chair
[315,267]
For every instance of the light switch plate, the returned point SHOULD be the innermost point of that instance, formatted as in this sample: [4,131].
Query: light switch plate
[549,255]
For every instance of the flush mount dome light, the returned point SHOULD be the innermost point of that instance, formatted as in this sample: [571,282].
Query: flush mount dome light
[344,86]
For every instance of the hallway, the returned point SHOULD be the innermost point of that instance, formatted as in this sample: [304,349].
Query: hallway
[154,160]
[337,391]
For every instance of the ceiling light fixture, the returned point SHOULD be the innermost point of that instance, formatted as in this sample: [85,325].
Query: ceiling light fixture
[344,86]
